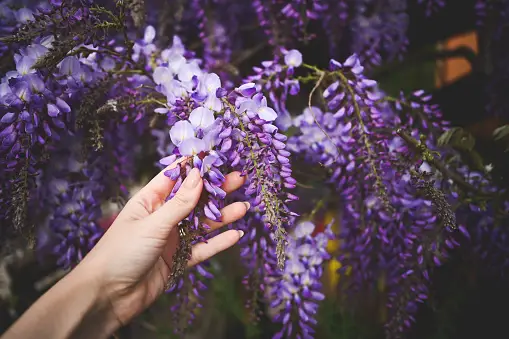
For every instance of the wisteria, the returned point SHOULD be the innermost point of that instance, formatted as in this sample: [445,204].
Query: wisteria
[432,6]
[335,17]
[74,221]
[297,289]
[380,31]
[96,96]
[188,292]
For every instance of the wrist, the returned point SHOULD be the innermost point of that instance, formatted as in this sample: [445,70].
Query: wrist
[117,294]
[99,319]
[74,308]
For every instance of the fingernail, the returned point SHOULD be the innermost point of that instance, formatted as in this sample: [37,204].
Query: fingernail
[248,205]
[241,233]
[192,179]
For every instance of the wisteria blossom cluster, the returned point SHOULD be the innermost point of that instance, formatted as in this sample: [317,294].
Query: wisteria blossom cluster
[383,31]
[74,221]
[297,289]
[384,229]
[220,131]
[402,225]
[93,96]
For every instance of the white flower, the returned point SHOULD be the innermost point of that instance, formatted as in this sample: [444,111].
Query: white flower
[201,118]
[293,58]
[181,131]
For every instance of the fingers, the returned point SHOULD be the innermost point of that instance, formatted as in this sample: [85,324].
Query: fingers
[179,207]
[230,213]
[152,195]
[203,251]
[233,181]
[160,186]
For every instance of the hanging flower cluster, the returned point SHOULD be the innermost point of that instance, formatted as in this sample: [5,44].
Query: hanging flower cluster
[381,33]
[296,291]
[34,108]
[432,6]
[74,221]
[220,130]
[395,227]
[275,78]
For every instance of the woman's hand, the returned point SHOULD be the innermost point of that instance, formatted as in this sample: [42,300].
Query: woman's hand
[129,267]
[132,260]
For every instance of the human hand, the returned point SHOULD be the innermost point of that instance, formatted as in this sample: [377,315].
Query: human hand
[131,263]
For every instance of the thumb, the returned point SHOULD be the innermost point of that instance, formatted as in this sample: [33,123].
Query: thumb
[179,207]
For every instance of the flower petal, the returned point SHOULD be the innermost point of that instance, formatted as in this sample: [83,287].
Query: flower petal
[267,113]
[201,118]
[181,131]
[192,146]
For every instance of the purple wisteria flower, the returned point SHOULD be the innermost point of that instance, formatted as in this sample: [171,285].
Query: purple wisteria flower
[219,131]
[33,108]
[188,291]
[74,221]
[380,33]
[400,214]
[257,246]
[490,238]
[275,78]
[286,22]
[293,58]
[335,16]
[212,139]
[68,198]
[12,16]
[432,6]
[295,292]
[219,33]
[145,47]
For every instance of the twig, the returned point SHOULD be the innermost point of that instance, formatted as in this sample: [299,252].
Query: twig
[320,204]
[433,161]
[318,83]
[248,53]
[304,185]
[362,131]
[148,326]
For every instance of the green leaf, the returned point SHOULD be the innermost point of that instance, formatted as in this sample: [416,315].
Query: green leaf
[458,138]
[445,138]
[501,132]
[400,76]
[466,142]
[291,131]
[477,161]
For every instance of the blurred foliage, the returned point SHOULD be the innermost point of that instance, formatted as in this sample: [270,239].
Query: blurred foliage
[338,324]
[409,74]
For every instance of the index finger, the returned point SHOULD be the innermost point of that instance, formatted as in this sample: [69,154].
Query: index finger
[161,185]
[152,195]
[233,181]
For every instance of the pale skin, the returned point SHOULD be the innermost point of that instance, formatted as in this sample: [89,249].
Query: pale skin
[129,267]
